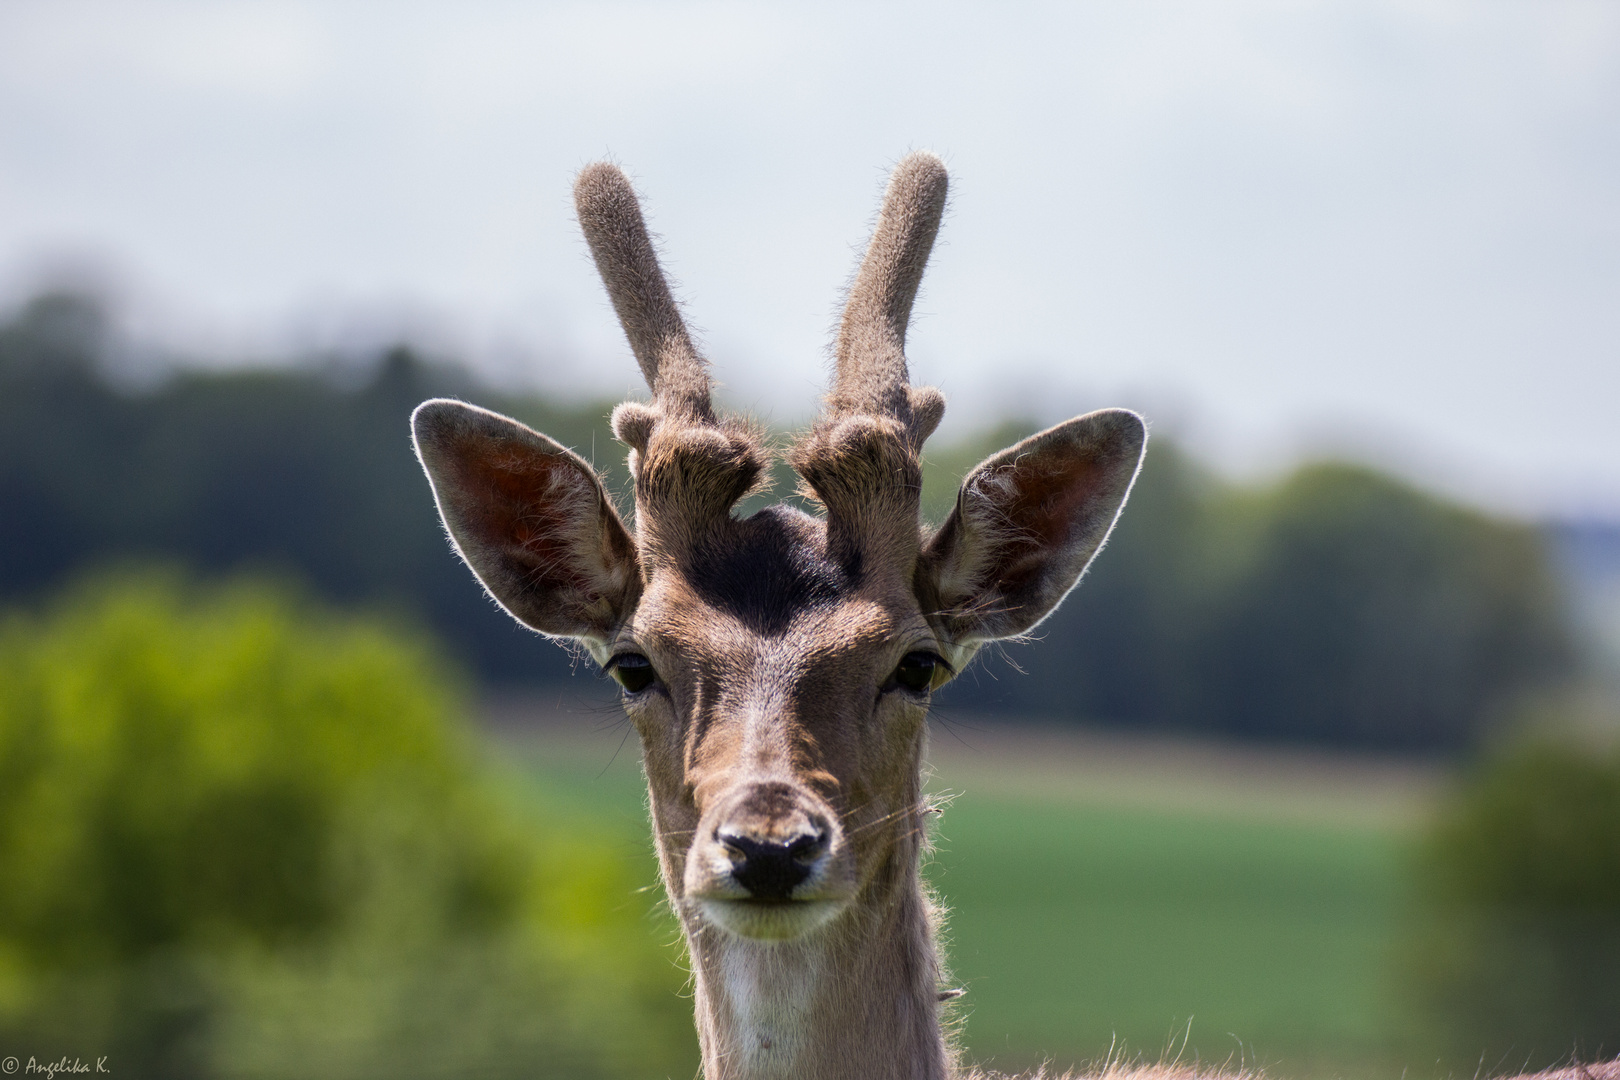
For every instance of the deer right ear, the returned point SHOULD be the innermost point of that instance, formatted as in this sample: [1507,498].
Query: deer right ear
[530,518]
[1027,522]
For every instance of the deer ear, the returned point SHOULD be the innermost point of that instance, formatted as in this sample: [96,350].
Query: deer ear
[530,518]
[1027,522]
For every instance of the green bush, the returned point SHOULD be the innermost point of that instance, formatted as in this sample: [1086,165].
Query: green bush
[1517,957]
[241,836]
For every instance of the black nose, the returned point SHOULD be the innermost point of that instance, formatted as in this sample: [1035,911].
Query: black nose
[771,869]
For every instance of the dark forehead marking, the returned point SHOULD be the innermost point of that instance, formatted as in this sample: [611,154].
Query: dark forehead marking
[766,569]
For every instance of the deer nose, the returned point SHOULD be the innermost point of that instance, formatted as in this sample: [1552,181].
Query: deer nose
[772,869]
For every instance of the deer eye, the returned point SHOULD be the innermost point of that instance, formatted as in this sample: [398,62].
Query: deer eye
[633,671]
[916,671]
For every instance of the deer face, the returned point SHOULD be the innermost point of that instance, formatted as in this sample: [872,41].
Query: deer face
[781,700]
[777,667]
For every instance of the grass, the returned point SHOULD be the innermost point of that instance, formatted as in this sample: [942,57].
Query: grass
[1077,929]
[1250,919]
[1112,892]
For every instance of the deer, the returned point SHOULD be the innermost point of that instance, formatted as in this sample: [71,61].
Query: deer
[778,667]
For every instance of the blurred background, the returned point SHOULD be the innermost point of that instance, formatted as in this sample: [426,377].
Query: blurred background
[1328,743]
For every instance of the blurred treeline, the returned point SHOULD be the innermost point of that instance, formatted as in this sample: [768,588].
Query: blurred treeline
[1338,605]
[306,472]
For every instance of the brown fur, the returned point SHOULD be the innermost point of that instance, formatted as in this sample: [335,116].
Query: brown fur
[1609,1070]
[1118,1070]
[778,667]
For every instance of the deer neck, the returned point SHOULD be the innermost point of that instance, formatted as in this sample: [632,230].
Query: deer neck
[858,999]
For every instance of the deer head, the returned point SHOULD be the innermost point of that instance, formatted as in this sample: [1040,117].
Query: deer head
[778,667]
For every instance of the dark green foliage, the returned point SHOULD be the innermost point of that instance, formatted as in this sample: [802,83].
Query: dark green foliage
[1516,954]
[1340,606]
[293,471]
[1372,613]
[242,836]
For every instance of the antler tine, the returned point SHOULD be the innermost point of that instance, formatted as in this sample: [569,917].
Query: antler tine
[871,376]
[611,218]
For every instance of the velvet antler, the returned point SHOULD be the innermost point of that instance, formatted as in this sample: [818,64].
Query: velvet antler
[690,466]
[871,375]
[610,217]
[862,459]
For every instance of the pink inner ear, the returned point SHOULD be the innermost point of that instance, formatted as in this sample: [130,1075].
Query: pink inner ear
[525,506]
[1051,498]
[1052,493]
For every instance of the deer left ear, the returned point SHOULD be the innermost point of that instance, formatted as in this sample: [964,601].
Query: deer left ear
[531,519]
[1027,523]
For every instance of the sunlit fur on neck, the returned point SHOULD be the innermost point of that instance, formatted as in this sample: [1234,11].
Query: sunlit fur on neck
[873,975]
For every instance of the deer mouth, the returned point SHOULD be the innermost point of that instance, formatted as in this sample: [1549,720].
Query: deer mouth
[768,920]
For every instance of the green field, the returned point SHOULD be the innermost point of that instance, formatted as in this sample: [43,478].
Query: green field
[1074,927]
[1222,903]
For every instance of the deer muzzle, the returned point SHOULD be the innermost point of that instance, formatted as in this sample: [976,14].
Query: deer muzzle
[769,862]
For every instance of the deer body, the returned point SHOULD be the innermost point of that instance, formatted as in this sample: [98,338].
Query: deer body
[778,667]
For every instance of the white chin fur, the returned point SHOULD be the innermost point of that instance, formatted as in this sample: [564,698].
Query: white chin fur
[769,922]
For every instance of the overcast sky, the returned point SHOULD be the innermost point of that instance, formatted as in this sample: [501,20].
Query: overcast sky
[1277,228]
